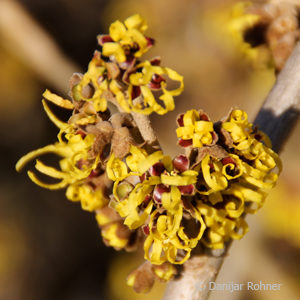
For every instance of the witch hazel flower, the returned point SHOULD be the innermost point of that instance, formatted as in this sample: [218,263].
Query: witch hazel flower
[156,185]
[264,33]
[116,73]
[195,129]
[141,197]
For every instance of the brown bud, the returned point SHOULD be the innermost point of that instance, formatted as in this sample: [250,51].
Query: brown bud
[141,279]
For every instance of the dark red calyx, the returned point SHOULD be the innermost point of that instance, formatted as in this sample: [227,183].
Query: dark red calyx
[228,160]
[185,143]
[203,117]
[81,163]
[180,120]
[156,169]
[212,168]
[146,201]
[146,229]
[187,189]
[150,41]
[102,39]
[129,62]
[82,133]
[158,191]
[135,47]
[136,91]
[155,61]
[215,137]
[93,173]
[127,50]
[143,177]
[155,83]
[181,163]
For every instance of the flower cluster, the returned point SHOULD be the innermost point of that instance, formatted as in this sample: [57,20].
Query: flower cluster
[78,162]
[148,192]
[235,170]
[195,129]
[84,146]
[264,33]
[91,134]
[116,72]
[238,22]
[199,197]
[138,194]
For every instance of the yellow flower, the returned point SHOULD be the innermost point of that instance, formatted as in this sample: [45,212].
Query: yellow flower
[162,185]
[121,77]
[89,198]
[249,143]
[239,21]
[236,184]
[151,78]
[220,228]
[127,37]
[167,236]
[115,235]
[215,179]
[75,163]
[234,24]
[114,232]
[195,129]
[164,272]
[92,85]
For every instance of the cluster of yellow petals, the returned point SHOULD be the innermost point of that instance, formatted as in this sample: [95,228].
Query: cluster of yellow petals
[113,232]
[239,21]
[93,77]
[97,83]
[226,189]
[166,232]
[106,78]
[199,131]
[168,236]
[243,191]
[223,189]
[234,23]
[142,80]
[89,198]
[126,36]
[75,162]
[98,79]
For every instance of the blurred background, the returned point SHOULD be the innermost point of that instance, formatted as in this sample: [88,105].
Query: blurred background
[49,247]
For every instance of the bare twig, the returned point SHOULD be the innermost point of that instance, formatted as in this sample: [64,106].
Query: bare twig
[277,118]
[144,125]
[280,111]
[142,121]
[33,46]
[145,128]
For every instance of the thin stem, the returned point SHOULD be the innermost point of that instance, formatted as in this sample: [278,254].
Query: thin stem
[33,46]
[144,125]
[142,122]
[280,111]
[145,128]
